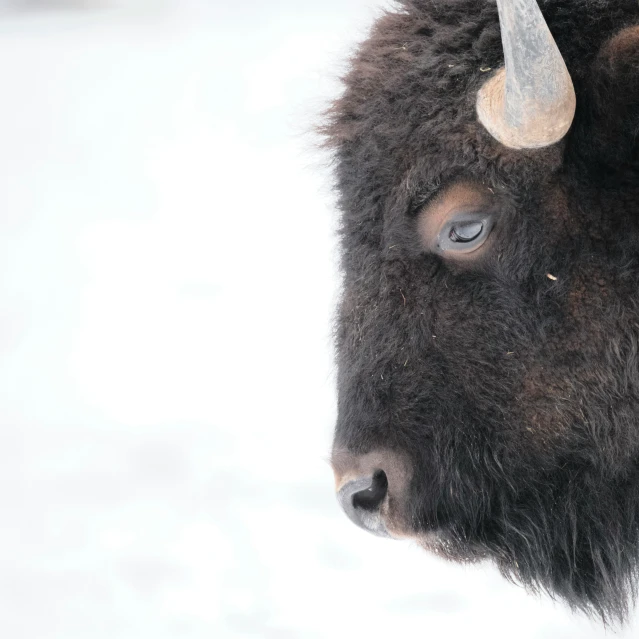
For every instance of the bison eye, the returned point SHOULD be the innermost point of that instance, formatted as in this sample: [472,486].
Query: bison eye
[464,233]
[458,221]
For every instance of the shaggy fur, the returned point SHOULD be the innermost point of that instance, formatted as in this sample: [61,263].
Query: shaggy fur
[515,396]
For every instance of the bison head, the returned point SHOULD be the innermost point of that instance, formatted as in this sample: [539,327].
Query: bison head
[488,331]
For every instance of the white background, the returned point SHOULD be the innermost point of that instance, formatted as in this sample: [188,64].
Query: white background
[167,279]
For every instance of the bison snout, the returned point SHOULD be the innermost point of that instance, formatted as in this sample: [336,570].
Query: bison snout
[373,490]
[362,501]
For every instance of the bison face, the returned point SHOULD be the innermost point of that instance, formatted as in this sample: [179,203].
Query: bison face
[488,332]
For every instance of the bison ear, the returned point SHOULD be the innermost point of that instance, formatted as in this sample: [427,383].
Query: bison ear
[531,102]
[606,131]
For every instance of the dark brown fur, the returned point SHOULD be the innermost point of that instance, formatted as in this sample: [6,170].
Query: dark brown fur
[515,396]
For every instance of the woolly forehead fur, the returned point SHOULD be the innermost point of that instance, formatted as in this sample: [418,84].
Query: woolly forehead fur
[515,395]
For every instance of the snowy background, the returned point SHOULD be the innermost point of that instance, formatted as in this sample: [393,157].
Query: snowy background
[167,278]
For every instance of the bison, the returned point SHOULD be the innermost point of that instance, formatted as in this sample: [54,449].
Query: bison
[486,160]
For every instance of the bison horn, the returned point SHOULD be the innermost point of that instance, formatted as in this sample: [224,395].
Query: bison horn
[531,102]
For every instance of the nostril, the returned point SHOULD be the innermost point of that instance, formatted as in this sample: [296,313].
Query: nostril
[371,498]
[362,499]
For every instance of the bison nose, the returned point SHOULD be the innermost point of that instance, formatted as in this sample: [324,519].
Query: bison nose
[362,500]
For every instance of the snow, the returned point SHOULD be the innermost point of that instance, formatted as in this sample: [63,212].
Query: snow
[166,380]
